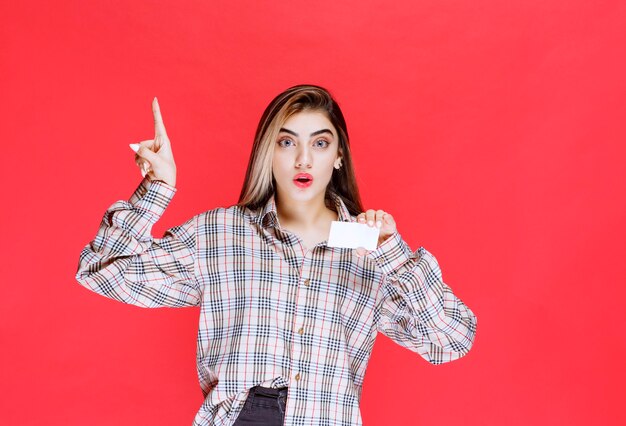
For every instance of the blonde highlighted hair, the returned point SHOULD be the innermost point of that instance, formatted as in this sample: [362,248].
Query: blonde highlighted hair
[259,183]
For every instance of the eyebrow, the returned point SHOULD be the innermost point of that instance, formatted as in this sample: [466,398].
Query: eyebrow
[282,129]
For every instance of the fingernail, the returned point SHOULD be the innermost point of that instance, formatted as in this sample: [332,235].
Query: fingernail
[370,223]
[143,173]
[379,224]
[134,146]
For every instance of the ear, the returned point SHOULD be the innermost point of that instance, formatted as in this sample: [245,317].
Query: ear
[337,165]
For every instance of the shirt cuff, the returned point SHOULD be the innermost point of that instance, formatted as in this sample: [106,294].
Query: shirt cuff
[391,254]
[152,197]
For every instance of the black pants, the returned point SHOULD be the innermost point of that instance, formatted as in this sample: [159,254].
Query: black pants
[263,407]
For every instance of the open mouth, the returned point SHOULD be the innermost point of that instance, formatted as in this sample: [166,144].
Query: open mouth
[303,180]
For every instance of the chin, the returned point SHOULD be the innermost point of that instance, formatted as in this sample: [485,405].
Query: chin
[297,194]
[303,195]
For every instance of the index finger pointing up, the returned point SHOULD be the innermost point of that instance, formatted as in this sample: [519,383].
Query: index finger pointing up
[159,127]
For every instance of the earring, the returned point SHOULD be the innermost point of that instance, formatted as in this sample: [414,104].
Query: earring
[338,164]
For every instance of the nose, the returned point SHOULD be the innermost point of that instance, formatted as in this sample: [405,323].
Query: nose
[303,159]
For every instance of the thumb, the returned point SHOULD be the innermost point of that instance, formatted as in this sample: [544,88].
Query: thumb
[147,154]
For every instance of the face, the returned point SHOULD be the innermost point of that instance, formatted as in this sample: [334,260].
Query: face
[304,156]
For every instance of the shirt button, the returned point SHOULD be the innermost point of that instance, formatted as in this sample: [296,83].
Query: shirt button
[307,281]
[301,331]
[297,377]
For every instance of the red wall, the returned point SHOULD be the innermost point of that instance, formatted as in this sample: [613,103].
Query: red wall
[492,130]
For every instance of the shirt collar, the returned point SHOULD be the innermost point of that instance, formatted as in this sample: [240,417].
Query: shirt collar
[267,215]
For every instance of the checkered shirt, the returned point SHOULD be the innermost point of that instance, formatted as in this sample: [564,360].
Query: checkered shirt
[273,313]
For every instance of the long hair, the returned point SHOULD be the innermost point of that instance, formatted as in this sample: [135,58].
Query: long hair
[259,184]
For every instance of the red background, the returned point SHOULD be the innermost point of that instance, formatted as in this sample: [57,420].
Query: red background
[492,130]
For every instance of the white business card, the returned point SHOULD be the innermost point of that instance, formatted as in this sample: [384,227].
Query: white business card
[353,235]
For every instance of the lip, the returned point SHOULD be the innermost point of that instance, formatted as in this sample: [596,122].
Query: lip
[303,184]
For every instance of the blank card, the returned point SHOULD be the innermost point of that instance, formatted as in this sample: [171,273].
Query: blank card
[353,235]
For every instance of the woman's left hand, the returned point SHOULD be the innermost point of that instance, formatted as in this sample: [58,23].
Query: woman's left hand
[382,220]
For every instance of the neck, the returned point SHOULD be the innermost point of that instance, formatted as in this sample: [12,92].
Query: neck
[303,214]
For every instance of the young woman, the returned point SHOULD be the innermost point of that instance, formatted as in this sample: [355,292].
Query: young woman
[287,323]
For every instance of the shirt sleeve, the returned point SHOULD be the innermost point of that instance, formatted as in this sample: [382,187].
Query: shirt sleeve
[417,309]
[125,263]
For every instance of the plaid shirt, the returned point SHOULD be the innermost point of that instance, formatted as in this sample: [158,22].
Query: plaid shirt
[273,313]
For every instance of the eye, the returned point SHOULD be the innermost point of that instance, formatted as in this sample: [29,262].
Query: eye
[284,142]
[324,143]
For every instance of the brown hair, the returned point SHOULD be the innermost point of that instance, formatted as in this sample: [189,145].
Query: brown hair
[259,184]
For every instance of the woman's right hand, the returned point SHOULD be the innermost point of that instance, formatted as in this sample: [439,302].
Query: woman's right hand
[154,157]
